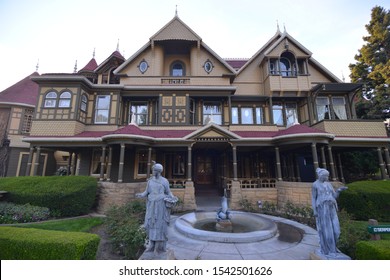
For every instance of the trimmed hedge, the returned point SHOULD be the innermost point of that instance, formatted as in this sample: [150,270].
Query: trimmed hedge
[65,196]
[36,244]
[373,250]
[367,200]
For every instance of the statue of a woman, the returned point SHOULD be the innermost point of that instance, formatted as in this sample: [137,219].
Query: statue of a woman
[325,210]
[159,201]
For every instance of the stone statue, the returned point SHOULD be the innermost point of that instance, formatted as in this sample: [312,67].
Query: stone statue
[223,213]
[160,200]
[325,210]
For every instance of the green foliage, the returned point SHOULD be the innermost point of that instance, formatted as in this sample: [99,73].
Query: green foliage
[14,213]
[367,200]
[373,250]
[247,206]
[360,165]
[351,233]
[372,65]
[84,224]
[124,227]
[65,196]
[35,244]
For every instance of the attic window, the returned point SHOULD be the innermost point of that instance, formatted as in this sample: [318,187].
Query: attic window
[65,98]
[208,66]
[178,69]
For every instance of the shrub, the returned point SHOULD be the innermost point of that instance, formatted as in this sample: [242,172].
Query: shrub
[35,244]
[373,250]
[14,213]
[65,196]
[124,227]
[351,233]
[367,200]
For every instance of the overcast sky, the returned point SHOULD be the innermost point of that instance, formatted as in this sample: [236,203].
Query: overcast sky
[57,33]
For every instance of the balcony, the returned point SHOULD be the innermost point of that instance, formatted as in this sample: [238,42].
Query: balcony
[353,128]
[175,81]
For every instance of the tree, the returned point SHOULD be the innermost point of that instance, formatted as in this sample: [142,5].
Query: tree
[372,67]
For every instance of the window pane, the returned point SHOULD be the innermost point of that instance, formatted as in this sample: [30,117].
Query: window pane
[291,114]
[103,102]
[64,103]
[277,114]
[246,116]
[234,115]
[50,103]
[65,94]
[259,116]
[101,116]
[51,95]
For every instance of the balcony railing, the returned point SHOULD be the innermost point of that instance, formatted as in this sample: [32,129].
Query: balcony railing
[252,183]
[175,81]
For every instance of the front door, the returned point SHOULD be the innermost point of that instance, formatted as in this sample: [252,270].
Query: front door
[204,169]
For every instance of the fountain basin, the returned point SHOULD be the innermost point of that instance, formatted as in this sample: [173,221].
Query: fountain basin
[253,227]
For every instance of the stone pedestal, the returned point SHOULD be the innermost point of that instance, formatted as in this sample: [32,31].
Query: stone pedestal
[317,255]
[235,195]
[168,255]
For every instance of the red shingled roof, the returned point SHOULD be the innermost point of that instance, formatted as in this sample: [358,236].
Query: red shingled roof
[91,66]
[25,91]
[236,63]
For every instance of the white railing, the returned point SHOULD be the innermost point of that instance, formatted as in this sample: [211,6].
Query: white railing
[177,183]
[251,183]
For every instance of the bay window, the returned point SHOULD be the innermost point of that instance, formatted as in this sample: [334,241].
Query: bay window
[102,108]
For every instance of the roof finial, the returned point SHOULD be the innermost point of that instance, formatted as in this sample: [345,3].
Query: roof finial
[284,26]
[37,66]
[75,67]
[117,46]
[176,15]
[342,76]
[277,26]
[93,54]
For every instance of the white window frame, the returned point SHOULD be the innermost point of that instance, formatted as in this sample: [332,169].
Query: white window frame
[97,109]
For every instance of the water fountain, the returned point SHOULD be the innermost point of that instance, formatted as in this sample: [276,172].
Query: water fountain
[226,226]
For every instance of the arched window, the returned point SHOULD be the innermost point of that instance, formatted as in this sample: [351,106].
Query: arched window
[287,64]
[65,98]
[51,99]
[178,69]
[84,102]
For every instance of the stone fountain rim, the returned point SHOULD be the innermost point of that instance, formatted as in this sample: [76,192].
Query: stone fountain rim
[184,224]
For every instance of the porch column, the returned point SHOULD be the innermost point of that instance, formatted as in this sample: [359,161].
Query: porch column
[102,163]
[331,164]
[381,164]
[323,158]
[29,161]
[74,164]
[36,161]
[297,168]
[149,163]
[235,174]
[121,163]
[69,164]
[387,158]
[278,166]
[189,163]
[315,156]
[340,164]
[109,163]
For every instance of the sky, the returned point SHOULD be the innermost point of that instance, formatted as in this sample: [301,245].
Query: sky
[54,34]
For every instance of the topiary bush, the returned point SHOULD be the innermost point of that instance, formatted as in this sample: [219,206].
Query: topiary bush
[373,250]
[367,200]
[36,244]
[65,196]
[123,224]
[14,213]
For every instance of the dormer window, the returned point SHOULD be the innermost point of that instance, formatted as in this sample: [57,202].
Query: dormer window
[178,69]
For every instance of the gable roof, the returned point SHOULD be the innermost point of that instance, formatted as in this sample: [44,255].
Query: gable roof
[175,29]
[115,55]
[24,92]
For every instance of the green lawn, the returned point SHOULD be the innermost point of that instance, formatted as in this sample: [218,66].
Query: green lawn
[84,224]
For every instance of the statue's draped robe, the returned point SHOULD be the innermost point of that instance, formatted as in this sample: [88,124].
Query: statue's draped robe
[157,214]
[328,227]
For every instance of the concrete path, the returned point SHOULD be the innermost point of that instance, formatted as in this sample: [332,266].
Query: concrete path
[276,248]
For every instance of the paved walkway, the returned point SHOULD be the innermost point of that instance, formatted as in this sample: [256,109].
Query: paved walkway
[280,247]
